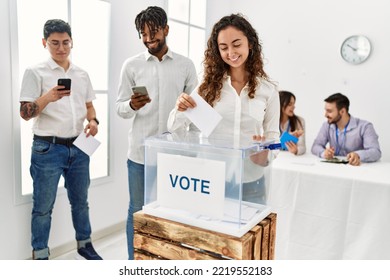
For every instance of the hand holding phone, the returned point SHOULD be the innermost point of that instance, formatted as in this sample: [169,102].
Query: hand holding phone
[139,98]
[140,90]
[64,82]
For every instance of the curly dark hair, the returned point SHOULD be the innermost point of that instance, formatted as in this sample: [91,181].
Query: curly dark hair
[215,68]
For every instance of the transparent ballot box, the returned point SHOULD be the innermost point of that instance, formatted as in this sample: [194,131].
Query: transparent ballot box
[218,183]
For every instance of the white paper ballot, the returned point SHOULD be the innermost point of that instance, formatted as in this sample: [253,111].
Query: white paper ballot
[87,144]
[203,115]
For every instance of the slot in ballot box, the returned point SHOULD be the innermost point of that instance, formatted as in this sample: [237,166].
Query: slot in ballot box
[216,183]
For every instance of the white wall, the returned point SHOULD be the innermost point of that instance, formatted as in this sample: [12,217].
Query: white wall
[301,43]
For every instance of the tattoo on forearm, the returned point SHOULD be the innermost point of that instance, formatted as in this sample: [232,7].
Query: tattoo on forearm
[28,110]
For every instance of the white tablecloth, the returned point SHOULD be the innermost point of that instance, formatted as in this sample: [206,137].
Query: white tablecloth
[330,211]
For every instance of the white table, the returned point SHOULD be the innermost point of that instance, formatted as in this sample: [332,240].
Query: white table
[330,211]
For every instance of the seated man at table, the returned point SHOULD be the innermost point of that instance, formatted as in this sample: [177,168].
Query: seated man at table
[347,136]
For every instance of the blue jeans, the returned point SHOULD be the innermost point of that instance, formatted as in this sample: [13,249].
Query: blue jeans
[254,191]
[48,162]
[136,189]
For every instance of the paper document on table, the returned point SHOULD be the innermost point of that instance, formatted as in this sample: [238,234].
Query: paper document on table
[87,144]
[205,117]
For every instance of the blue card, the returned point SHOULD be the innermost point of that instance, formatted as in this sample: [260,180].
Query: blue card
[287,137]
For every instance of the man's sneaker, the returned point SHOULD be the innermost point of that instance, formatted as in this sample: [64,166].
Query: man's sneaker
[41,254]
[88,253]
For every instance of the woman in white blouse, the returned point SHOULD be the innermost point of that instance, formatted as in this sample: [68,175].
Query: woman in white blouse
[291,123]
[236,85]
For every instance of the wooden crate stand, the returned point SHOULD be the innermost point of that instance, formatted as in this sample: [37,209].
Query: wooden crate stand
[157,238]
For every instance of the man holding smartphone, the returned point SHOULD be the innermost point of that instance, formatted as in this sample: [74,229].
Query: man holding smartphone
[59,116]
[165,75]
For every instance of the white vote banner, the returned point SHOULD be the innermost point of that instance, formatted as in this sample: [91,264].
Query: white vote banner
[193,184]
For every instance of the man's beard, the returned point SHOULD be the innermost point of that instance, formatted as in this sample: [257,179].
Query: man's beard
[156,50]
[336,120]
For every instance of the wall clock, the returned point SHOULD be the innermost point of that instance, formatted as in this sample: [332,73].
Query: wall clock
[355,49]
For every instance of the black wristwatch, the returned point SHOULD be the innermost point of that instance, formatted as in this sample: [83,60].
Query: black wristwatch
[95,119]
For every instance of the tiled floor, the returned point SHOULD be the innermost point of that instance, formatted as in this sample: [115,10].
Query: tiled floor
[113,247]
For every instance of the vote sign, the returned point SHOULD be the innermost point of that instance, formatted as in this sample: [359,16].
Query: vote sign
[193,184]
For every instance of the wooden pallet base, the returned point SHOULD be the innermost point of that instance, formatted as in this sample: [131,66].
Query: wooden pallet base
[157,238]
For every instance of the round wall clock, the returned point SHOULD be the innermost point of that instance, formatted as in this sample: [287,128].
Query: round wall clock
[355,49]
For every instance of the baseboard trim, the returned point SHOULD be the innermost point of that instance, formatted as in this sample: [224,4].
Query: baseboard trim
[70,246]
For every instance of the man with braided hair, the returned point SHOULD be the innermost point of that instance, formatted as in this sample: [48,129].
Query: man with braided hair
[166,75]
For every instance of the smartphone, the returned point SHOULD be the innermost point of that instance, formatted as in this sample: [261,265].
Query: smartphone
[64,82]
[140,90]
[336,160]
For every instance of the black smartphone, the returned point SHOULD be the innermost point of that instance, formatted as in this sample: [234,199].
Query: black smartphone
[141,90]
[64,82]
[336,160]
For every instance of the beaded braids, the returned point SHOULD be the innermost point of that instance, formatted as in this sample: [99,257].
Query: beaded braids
[153,17]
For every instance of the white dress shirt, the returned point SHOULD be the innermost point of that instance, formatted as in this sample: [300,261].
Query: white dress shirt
[64,117]
[165,80]
[242,118]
